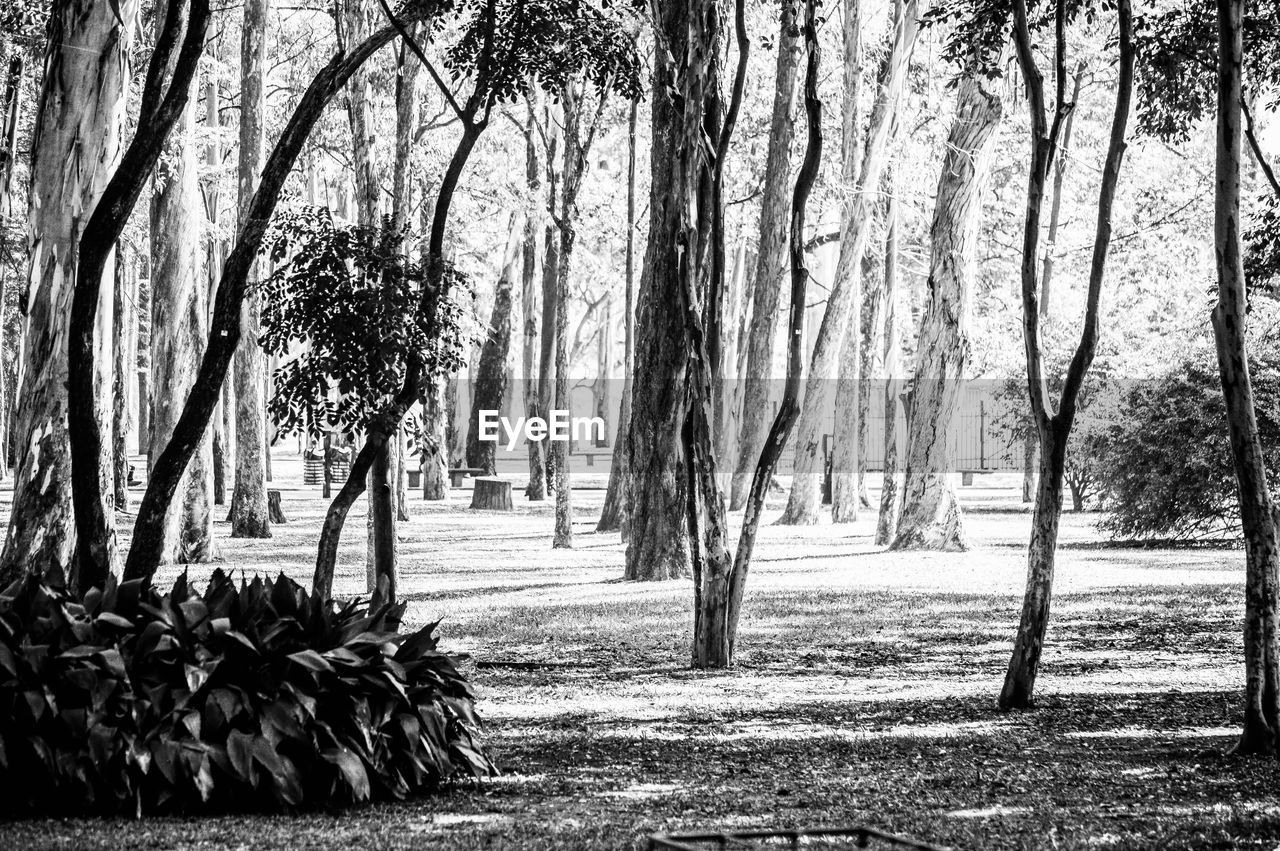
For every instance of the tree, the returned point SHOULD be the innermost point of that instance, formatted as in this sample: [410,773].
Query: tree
[125,317]
[1054,428]
[613,512]
[530,303]
[844,461]
[844,301]
[491,378]
[1258,516]
[771,257]
[249,496]
[719,576]
[890,487]
[179,325]
[79,120]
[930,516]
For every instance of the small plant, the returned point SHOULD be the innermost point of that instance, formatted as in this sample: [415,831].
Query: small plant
[246,697]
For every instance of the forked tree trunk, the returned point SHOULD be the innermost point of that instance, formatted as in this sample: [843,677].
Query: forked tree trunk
[1054,429]
[844,458]
[1258,516]
[491,377]
[771,257]
[613,514]
[75,150]
[179,327]
[249,518]
[844,301]
[930,517]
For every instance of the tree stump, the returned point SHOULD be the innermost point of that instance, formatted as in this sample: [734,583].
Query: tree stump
[492,494]
[274,509]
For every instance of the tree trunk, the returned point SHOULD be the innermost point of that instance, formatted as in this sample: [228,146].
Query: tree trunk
[249,518]
[216,254]
[1030,463]
[657,548]
[930,517]
[1054,429]
[10,109]
[125,337]
[1055,204]
[771,257]
[179,328]
[570,180]
[844,459]
[491,377]
[408,68]
[890,492]
[845,299]
[613,514]
[550,288]
[75,151]
[529,304]
[1258,516]
[435,461]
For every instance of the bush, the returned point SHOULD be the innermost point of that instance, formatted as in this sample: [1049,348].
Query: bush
[246,697]
[1166,461]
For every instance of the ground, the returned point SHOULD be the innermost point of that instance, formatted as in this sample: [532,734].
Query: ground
[864,692]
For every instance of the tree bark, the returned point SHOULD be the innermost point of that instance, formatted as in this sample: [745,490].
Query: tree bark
[890,489]
[844,459]
[657,548]
[491,377]
[613,514]
[530,303]
[1054,429]
[1055,204]
[249,518]
[845,299]
[1258,515]
[125,338]
[179,326]
[930,517]
[407,68]
[771,257]
[75,150]
[216,254]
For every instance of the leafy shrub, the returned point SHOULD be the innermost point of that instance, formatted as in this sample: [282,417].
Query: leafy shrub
[1166,461]
[245,697]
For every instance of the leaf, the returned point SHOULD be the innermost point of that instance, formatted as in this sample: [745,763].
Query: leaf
[352,770]
[312,661]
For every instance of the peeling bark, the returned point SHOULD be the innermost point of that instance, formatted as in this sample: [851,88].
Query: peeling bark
[930,517]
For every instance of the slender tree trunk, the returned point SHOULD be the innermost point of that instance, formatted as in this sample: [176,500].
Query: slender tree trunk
[571,178]
[1054,429]
[1030,464]
[890,491]
[491,377]
[1055,204]
[216,254]
[10,109]
[1258,515]
[844,459]
[845,299]
[550,288]
[75,150]
[249,498]
[530,299]
[613,514]
[771,257]
[408,68]
[125,336]
[930,516]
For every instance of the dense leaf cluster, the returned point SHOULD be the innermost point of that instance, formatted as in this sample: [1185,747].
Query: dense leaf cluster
[343,310]
[1177,77]
[245,697]
[547,42]
[1166,463]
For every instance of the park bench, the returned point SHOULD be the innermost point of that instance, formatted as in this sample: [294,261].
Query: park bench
[591,454]
[457,474]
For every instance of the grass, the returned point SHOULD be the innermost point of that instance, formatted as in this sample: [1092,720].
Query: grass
[864,693]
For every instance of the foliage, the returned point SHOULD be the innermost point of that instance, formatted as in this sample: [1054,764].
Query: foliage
[547,42]
[245,697]
[1177,82]
[1262,254]
[351,297]
[1166,462]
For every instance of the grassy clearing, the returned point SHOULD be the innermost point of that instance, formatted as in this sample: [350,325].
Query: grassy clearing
[864,694]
